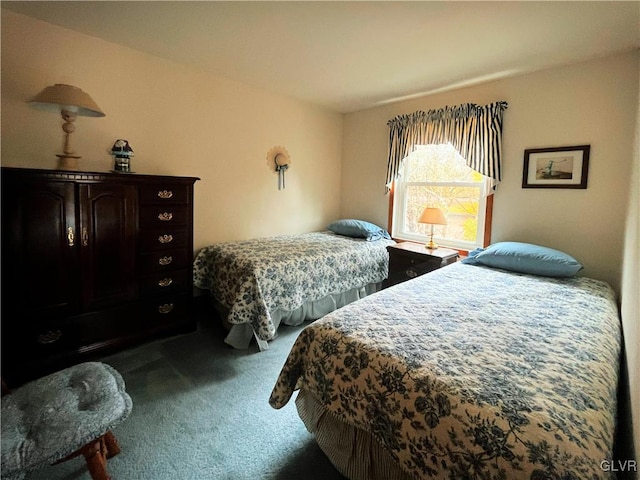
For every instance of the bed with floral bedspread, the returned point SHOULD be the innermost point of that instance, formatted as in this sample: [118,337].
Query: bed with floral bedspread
[467,372]
[252,278]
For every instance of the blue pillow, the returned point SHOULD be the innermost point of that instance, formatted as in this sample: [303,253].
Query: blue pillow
[359,229]
[526,258]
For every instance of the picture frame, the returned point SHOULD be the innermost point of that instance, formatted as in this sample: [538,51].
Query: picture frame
[556,167]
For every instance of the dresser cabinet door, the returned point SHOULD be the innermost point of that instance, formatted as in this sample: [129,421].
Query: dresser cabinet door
[40,268]
[108,243]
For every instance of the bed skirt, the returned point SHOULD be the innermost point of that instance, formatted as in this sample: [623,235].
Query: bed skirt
[240,335]
[354,452]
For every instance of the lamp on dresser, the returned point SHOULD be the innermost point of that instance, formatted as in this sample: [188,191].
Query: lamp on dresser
[432,216]
[71,102]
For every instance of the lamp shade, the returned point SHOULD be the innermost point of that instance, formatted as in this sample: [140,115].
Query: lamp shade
[71,97]
[433,216]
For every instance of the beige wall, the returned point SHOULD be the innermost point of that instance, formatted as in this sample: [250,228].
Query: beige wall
[179,122]
[594,103]
[588,103]
[631,291]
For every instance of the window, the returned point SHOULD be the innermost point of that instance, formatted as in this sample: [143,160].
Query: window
[437,176]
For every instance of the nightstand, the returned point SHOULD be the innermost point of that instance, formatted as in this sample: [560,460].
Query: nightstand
[408,260]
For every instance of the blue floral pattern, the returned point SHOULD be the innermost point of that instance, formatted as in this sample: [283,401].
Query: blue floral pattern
[472,373]
[254,277]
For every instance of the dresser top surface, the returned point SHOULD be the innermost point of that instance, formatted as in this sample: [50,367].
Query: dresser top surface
[93,176]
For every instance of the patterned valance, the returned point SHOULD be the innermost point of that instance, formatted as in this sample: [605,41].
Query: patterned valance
[475,131]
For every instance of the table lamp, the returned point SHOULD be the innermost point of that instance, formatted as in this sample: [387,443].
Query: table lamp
[432,216]
[71,101]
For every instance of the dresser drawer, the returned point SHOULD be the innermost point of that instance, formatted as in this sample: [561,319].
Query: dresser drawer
[46,338]
[164,311]
[161,239]
[164,193]
[164,260]
[162,282]
[81,332]
[164,215]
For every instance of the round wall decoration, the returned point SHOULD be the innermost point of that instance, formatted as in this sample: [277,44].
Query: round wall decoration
[278,158]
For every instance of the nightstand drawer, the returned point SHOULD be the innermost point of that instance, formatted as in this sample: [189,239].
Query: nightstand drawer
[424,263]
[421,269]
[409,260]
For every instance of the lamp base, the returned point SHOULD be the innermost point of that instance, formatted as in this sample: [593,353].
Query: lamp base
[431,245]
[68,162]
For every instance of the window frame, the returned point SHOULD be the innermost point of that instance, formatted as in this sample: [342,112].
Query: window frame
[487,220]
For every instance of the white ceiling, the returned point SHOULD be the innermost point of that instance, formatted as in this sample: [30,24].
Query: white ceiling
[348,56]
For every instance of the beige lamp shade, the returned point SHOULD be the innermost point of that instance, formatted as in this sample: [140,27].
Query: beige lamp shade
[434,216]
[70,101]
[70,98]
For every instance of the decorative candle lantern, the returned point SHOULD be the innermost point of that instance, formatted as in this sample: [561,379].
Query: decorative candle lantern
[122,153]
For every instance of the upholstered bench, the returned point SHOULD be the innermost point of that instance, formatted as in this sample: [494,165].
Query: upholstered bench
[62,415]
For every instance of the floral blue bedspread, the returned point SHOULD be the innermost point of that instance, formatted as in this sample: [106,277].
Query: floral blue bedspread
[471,372]
[253,277]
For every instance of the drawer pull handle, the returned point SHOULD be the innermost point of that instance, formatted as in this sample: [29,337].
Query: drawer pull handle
[165,260]
[165,238]
[49,337]
[165,194]
[166,308]
[165,217]
[165,282]
[71,237]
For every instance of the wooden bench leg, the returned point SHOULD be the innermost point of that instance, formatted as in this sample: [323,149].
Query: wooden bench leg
[111,444]
[96,454]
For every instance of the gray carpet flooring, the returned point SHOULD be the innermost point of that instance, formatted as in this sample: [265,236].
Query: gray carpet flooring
[201,411]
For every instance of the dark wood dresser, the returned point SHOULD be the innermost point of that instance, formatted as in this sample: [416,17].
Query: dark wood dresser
[91,262]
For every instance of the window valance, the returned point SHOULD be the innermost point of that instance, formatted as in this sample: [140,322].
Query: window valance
[475,131]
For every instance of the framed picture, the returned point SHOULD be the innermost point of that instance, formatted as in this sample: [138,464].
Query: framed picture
[558,167]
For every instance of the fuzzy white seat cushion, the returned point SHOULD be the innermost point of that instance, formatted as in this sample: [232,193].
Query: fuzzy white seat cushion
[47,419]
